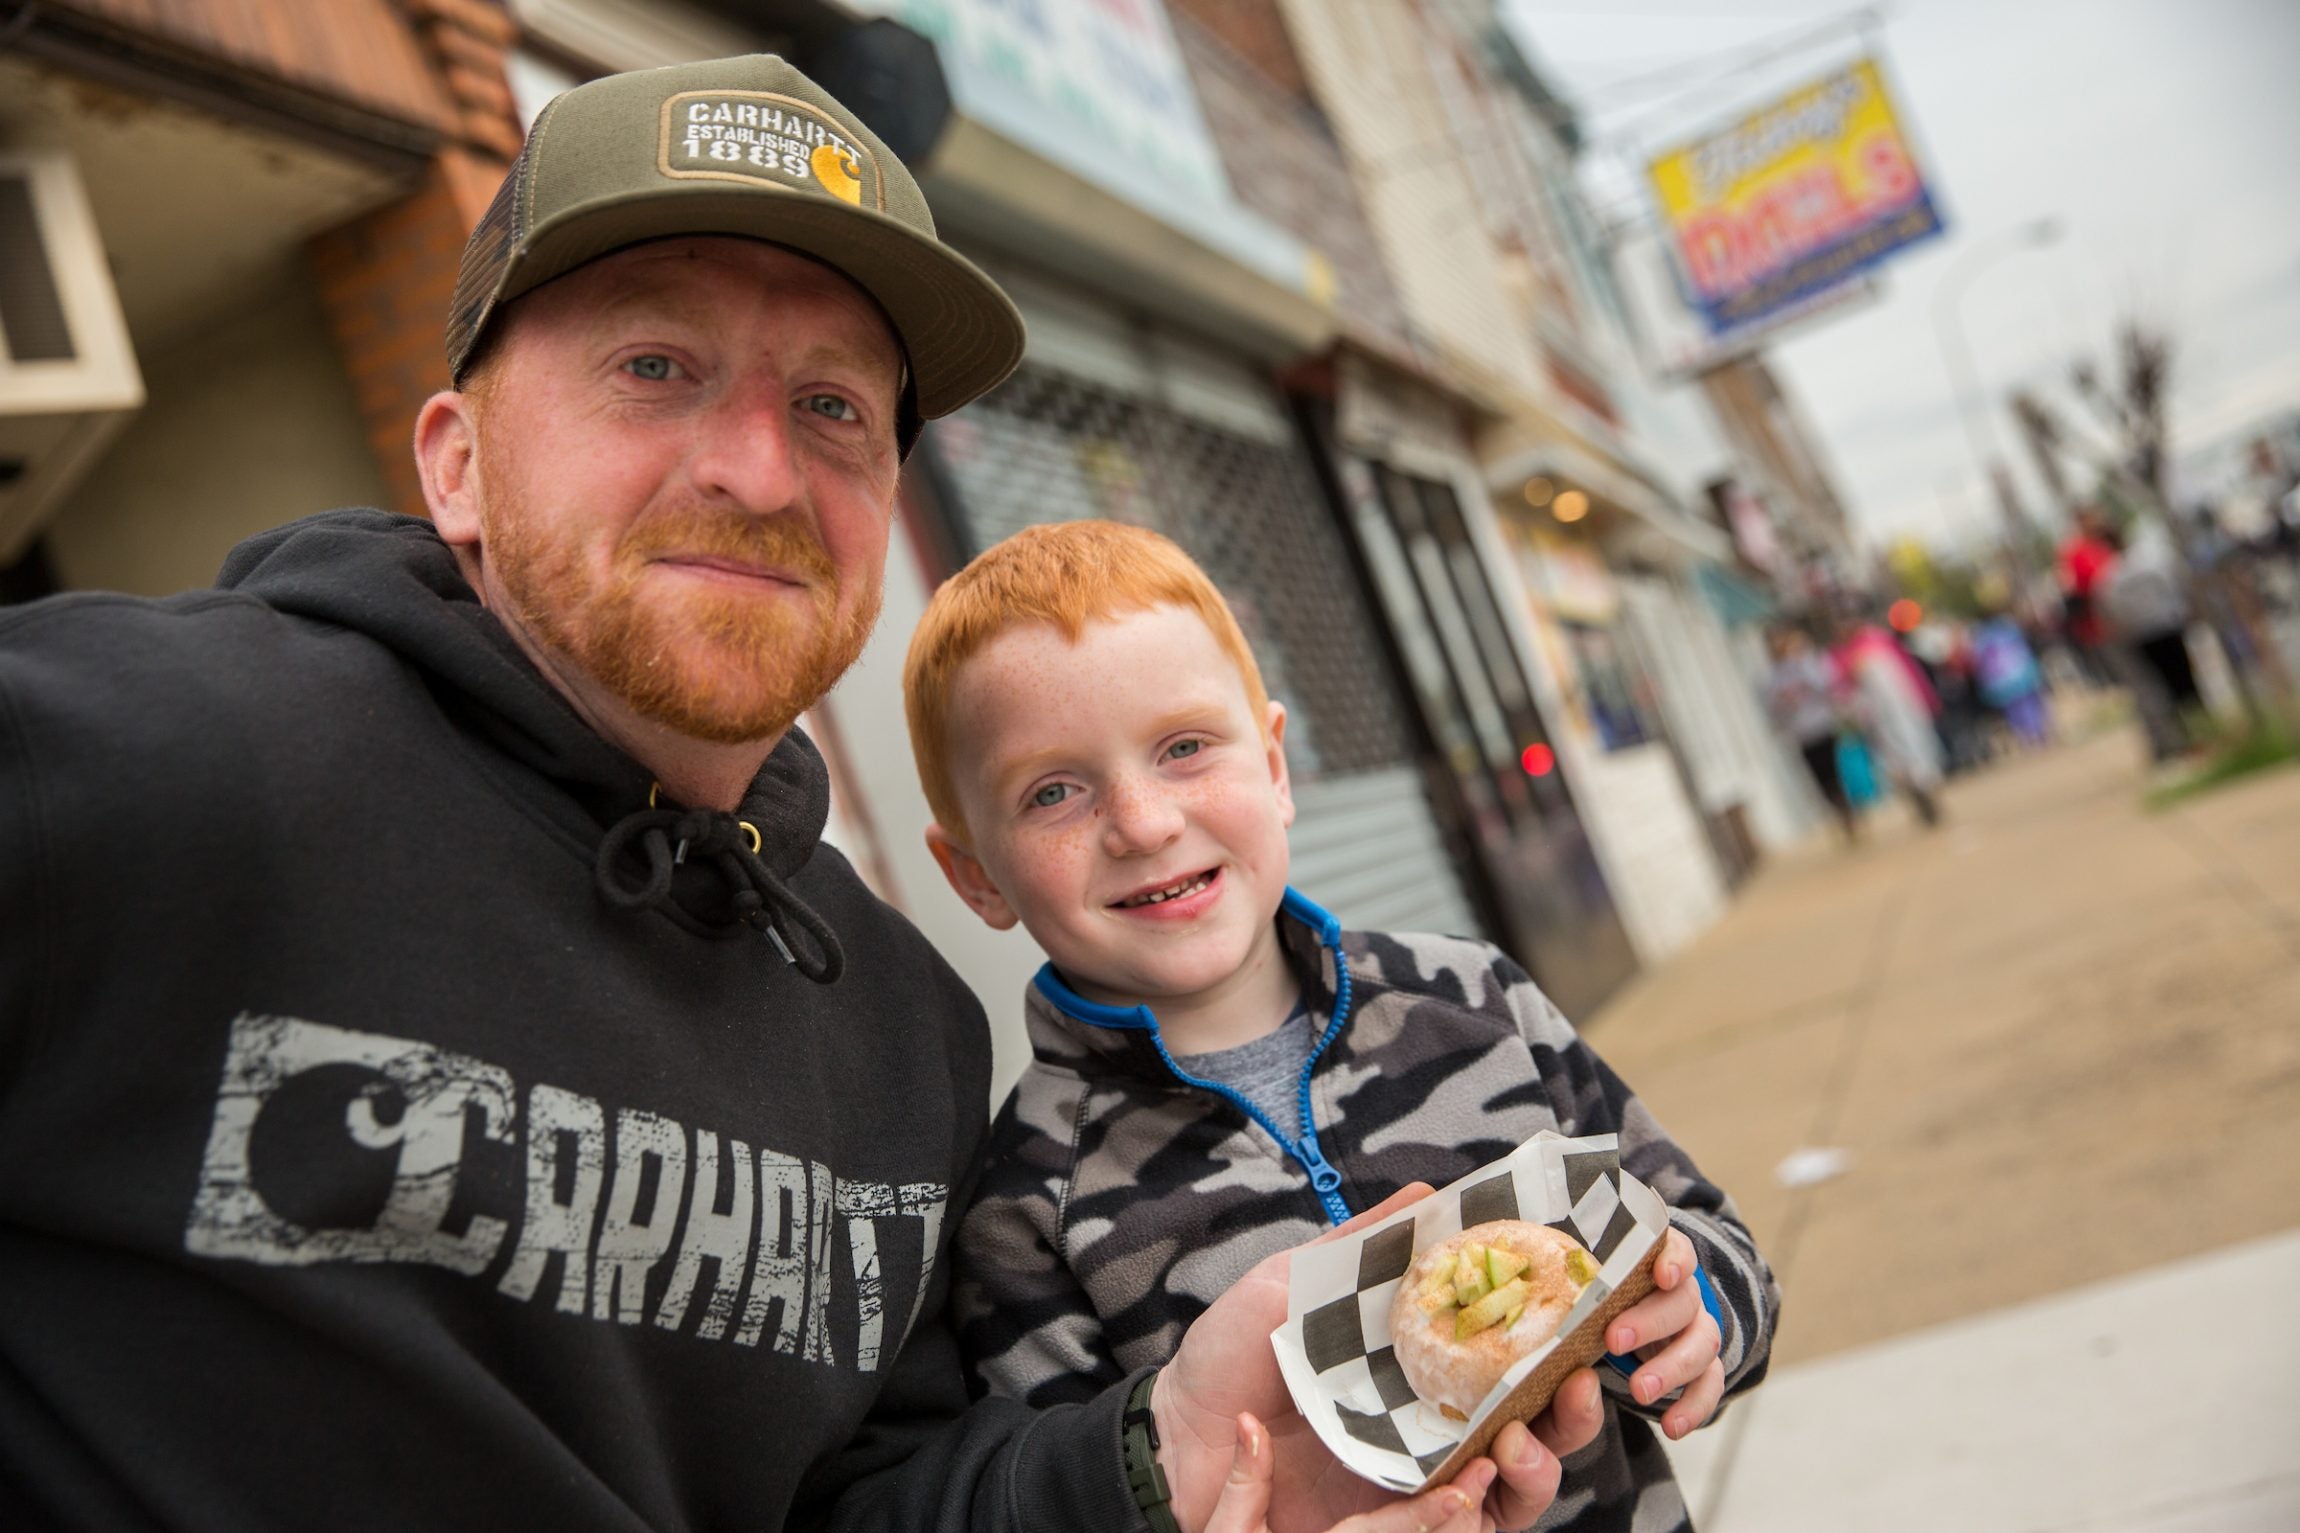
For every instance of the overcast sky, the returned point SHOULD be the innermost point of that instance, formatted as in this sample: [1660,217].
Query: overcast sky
[2165,134]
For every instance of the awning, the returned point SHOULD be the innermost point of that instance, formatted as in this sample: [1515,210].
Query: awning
[1734,600]
[1506,475]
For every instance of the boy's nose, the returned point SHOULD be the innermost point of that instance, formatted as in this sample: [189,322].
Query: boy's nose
[1141,819]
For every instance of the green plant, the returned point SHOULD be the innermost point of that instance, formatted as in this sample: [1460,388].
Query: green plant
[2234,754]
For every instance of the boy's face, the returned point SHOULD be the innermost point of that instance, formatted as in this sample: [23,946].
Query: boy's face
[1123,803]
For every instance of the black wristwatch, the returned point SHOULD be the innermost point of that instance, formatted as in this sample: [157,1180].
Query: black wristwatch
[1139,1429]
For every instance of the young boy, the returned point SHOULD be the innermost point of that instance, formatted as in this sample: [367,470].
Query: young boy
[1220,1071]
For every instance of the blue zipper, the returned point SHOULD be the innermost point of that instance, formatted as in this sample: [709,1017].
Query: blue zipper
[1323,1176]
[1324,1179]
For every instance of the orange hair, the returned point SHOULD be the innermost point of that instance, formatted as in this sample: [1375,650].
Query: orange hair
[1067,574]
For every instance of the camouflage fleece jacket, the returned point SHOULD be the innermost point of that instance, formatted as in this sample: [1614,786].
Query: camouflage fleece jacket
[1122,1196]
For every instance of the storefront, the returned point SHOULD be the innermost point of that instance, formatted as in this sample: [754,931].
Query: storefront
[1400,470]
[1596,632]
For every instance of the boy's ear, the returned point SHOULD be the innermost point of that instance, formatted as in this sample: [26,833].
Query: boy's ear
[969,879]
[1280,782]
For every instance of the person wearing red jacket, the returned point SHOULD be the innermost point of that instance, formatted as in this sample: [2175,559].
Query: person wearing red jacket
[2085,560]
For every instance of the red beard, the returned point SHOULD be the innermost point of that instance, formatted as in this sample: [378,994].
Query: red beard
[727,666]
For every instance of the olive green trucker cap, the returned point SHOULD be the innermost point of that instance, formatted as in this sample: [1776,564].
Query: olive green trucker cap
[744,146]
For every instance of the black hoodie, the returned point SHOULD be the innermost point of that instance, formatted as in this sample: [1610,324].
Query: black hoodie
[396,1131]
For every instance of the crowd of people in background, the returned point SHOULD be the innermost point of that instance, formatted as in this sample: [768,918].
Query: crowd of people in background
[1879,707]
[1898,699]
[2226,573]
[1864,714]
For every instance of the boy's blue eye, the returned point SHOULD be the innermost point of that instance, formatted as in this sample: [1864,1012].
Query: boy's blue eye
[1182,748]
[1050,795]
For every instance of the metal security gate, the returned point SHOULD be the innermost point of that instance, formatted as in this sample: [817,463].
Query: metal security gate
[1226,481]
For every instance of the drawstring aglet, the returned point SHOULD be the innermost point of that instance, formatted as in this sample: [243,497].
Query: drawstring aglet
[781,946]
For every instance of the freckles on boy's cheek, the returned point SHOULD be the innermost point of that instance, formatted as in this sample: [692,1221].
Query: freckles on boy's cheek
[1213,797]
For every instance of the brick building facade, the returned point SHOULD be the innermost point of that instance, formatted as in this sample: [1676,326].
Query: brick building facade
[285,184]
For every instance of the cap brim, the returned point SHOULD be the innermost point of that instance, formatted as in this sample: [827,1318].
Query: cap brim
[961,333]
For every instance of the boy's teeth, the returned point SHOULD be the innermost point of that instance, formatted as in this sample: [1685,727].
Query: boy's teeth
[1170,892]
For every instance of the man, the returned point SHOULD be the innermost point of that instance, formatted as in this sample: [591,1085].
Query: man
[443,1081]
[2144,599]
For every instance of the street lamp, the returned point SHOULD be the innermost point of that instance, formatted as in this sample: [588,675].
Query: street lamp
[1957,356]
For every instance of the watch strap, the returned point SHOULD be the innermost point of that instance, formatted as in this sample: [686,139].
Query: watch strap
[1139,1434]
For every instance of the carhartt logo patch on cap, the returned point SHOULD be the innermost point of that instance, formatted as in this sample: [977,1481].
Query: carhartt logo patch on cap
[719,135]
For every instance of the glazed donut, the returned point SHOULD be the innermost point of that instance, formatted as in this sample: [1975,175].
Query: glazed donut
[1474,1304]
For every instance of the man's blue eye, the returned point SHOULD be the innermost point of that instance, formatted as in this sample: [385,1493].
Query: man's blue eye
[835,406]
[1050,795]
[654,369]
[1183,748]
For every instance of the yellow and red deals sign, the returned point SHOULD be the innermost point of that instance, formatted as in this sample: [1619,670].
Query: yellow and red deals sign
[1792,200]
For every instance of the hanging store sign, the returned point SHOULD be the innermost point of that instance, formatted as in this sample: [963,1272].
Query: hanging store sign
[1102,78]
[1793,200]
[1100,88]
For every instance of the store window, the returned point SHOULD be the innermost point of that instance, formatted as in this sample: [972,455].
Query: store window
[1621,704]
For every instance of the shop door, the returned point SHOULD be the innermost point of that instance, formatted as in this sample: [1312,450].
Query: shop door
[1557,913]
[1049,446]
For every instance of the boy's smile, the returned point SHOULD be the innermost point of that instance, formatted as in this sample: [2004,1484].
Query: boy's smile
[1177,901]
[1124,804]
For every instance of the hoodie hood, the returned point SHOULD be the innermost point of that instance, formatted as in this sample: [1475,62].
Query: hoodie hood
[392,578]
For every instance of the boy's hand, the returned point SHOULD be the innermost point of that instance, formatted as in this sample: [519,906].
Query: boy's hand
[1226,1367]
[1675,1338]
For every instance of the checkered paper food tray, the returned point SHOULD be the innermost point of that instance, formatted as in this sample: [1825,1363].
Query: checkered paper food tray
[1334,1348]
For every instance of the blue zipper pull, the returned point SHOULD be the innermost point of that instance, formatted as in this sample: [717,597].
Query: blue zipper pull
[1323,1177]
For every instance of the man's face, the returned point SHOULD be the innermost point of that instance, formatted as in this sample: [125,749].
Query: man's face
[1125,802]
[687,466]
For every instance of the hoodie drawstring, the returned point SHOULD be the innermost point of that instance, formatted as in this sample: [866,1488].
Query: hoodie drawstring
[761,899]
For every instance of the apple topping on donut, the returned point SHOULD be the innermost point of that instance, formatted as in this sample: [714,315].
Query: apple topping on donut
[1484,1286]
[1494,1308]
[1472,1304]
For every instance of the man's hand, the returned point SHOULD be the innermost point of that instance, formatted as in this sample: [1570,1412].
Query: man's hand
[1226,1368]
[1675,1339]
[1245,1503]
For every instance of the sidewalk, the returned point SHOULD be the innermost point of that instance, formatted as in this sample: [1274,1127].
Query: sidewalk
[2163,1402]
[2060,1041]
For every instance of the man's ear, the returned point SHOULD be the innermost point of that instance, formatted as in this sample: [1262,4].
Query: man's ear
[969,879]
[447,460]
[1282,783]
